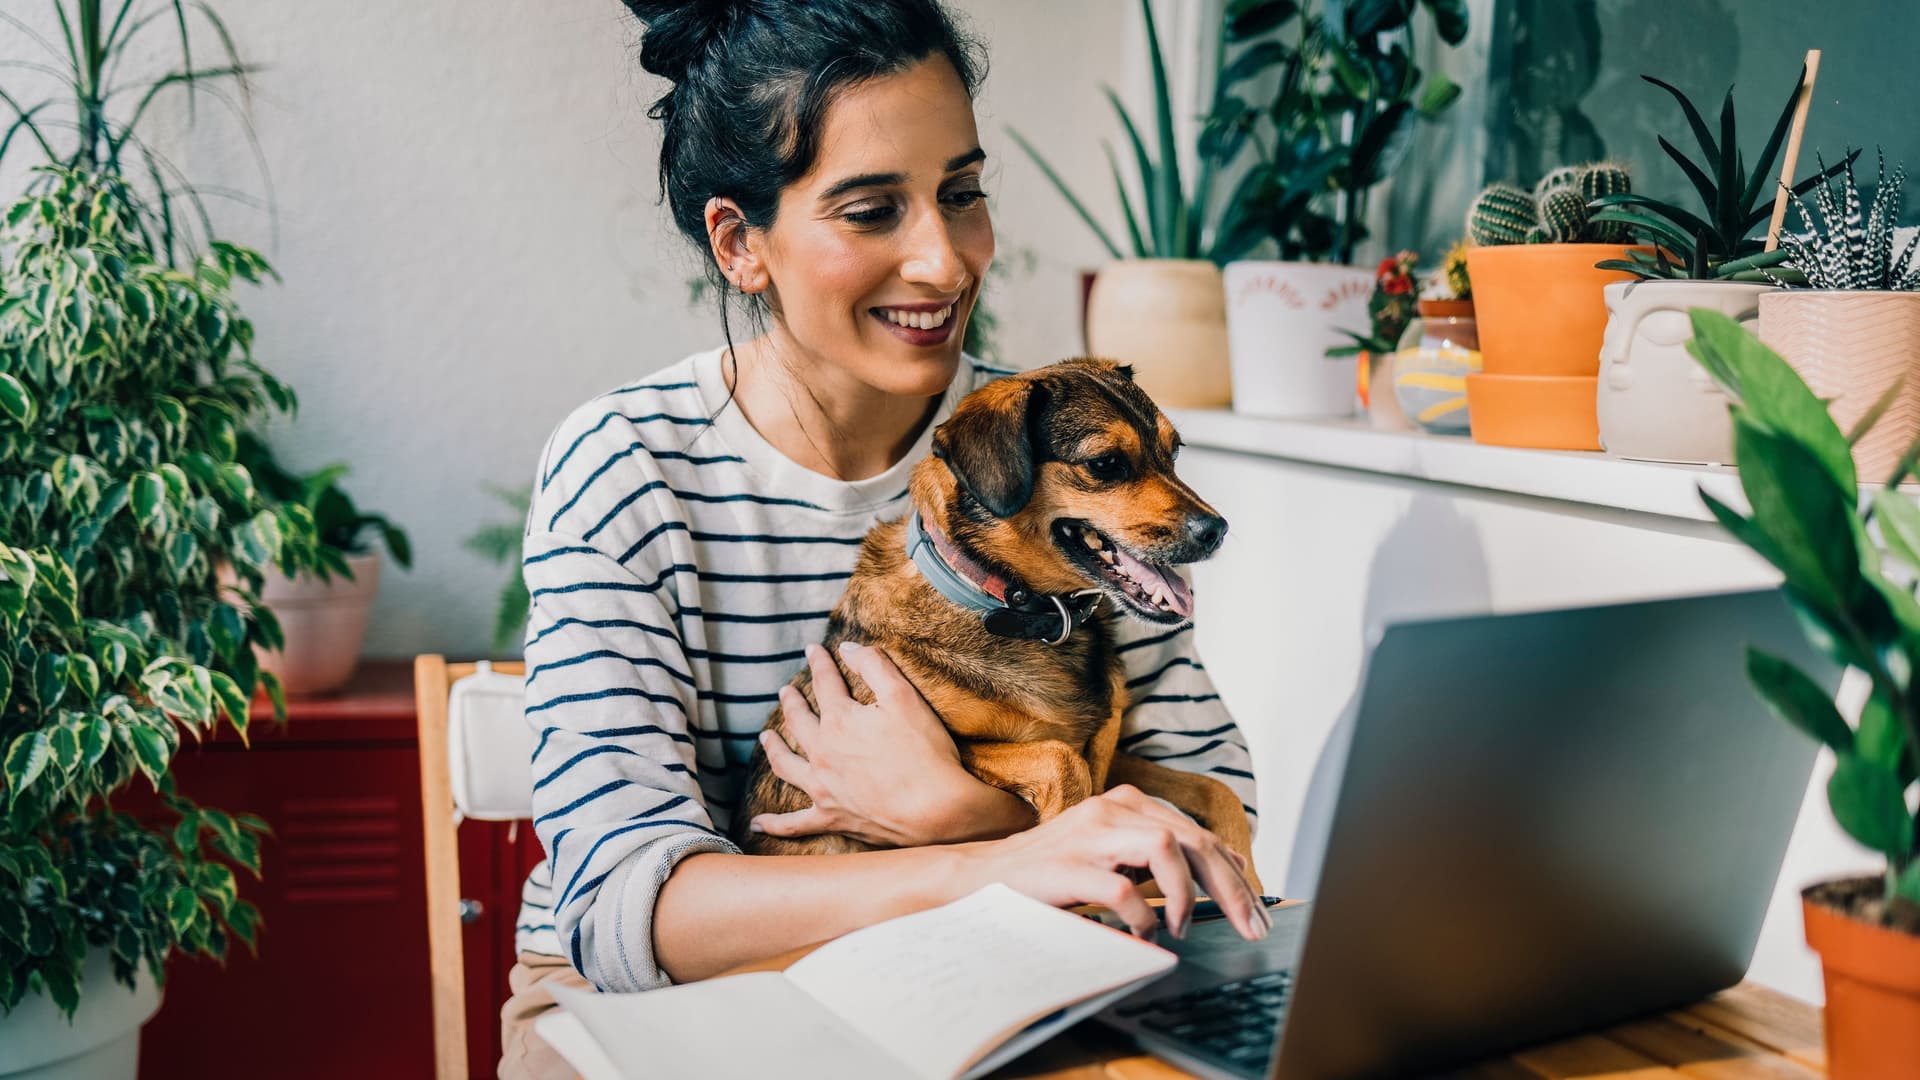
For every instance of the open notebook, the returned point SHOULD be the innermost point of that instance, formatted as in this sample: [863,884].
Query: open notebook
[958,990]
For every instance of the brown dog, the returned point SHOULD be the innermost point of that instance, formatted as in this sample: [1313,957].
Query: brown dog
[1056,489]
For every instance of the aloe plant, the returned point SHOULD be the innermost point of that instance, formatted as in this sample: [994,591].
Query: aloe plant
[1849,559]
[1718,243]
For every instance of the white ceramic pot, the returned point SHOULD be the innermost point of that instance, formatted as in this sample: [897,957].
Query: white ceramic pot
[1656,403]
[1850,345]
[1167,318]
[324,623]
[1282,317]
[102,1043]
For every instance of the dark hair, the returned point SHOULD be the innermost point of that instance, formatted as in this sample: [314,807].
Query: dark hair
[752,81]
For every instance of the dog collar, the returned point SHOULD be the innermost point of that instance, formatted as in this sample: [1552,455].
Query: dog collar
[1006,608]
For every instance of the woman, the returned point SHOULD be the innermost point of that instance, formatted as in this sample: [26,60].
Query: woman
[689,534]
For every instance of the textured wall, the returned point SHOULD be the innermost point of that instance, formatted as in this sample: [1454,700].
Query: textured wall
[470,243]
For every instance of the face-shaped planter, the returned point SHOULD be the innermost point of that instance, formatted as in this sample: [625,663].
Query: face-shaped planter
[1656,402]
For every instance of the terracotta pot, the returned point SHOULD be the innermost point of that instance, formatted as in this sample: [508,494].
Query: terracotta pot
[1656,403]
[1282,317]
[1540,412]
[1872,976]
[1850,346]
[1167,318]
[1445,309]
[324,622]
[1539,306]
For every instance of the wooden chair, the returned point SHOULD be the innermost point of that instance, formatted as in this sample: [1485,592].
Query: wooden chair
[474,754]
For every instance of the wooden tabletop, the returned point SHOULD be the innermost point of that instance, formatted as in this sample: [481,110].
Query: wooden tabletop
[1746,1032]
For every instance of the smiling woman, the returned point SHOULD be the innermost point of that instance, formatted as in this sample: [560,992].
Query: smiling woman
[691,531]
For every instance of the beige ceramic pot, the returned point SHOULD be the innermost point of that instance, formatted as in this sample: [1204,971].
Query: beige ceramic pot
[1850,346]
[1168,319]
[324,623]
[1656,403]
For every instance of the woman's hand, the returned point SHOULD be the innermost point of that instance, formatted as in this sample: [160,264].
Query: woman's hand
[1081,857]
[887,773]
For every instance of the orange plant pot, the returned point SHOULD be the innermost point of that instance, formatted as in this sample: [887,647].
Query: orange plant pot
[1540,307]
[1873,994]
[1539,412]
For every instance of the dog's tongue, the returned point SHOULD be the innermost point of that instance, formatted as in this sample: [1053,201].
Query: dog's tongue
[1172,585]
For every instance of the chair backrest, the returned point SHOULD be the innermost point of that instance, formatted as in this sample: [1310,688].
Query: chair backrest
[475,750]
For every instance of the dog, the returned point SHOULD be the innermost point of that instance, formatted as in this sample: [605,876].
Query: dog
[1055,489]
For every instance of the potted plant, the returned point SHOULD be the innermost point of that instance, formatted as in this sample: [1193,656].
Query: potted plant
[323,606]
[1338,89]
[1439,349]
[126,374]
[1850,559]
[500,543]
[1853,330]
[1538,262]
[1389,309]
[1653,400]
[1158,306]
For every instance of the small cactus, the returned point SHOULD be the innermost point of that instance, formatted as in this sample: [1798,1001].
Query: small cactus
[1566,176]
[1563,215]
[1501,215]
[1604,178]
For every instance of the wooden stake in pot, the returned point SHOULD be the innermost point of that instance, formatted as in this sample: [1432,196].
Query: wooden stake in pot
[1793,148]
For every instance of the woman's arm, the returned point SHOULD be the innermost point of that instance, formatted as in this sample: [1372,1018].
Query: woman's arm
[719,911]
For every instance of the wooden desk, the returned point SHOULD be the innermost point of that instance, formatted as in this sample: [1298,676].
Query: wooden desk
[1748,1031]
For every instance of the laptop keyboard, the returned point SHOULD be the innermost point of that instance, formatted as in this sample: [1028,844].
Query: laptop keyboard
[1233,1023]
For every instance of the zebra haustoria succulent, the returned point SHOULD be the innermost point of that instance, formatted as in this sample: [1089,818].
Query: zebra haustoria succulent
[1843,251]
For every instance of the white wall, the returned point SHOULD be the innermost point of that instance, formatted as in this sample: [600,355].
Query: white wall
[471,245]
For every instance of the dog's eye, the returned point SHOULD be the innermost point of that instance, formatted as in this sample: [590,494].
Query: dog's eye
[1108,467]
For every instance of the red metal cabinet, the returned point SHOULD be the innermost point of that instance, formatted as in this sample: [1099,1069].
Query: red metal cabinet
[340,987]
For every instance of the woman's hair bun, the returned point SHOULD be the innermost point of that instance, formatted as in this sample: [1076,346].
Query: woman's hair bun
[679,32]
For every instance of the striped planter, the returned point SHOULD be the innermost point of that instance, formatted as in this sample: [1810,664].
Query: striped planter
[1850,346]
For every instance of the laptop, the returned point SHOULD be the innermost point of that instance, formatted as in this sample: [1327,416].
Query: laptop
[1546,823]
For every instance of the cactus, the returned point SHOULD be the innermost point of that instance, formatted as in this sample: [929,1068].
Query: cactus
[1501,215]
[1566,176]
[1603,178]
[1563,215]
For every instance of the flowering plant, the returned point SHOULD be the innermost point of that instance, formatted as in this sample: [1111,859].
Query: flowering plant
[1391,307]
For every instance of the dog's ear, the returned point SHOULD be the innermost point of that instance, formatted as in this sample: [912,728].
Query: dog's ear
[987,445]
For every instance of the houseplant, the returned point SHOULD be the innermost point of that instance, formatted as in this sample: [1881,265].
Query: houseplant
[1538,305]
[125,376]
[1850,560]
[1654,402]
[1389,310]
[1314,107]
[500,542]
[322,611]
[1853,330]
[1439,349]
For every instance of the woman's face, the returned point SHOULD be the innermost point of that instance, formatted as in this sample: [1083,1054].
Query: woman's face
[876,256]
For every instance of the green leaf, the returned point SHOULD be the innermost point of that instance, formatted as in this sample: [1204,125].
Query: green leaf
[27,758]
[1771,391]
[1797,699]
[1881,739]
[1809,522]
[95,736]
[1437,95]
[183,907]
[1899,525]
[1066,193]
[233,701]
[15,401]
[1450,19]
[50,680]
[1245,20]
[148,491]
[1907,885]
[1867,802]
[64,741]
[150,750]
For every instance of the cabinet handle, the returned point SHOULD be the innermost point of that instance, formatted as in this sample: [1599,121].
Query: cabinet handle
[471,910]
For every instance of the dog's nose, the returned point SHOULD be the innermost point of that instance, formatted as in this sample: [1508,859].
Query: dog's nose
[1206,531]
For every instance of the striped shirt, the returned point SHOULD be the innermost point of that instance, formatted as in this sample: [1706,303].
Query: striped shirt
[678,565]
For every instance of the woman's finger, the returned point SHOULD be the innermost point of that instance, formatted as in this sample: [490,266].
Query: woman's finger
[801,723]
[829,688]
[878,671]
[786,764]
[1208,860]
[1116,894]
[1159,850]
[809,822]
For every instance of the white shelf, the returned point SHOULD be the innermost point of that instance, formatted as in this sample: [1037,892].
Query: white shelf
[1591,478]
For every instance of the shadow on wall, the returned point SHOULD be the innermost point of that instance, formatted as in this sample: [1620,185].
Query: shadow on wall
[1431,564]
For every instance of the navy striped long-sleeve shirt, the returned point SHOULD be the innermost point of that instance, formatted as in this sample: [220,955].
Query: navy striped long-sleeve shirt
[678,567]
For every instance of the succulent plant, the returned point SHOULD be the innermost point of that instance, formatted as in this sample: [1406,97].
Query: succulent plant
[1718,242]
[1501,215]
[1453,271]
[1841,251]
[1555,213]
